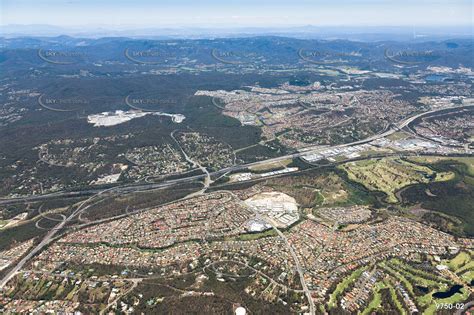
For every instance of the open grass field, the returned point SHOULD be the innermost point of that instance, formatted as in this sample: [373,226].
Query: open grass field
[456,298]
[271,166]
[399,136]
[468,267]
[389,175]
[376,301]
[343,285]
[468,276]
[459,261]
[411,276]
[394,297]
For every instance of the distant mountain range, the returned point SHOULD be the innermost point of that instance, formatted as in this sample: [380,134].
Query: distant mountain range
[81,53]
[304,32]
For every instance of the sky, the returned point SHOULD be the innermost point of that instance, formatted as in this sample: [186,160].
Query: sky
[122,14]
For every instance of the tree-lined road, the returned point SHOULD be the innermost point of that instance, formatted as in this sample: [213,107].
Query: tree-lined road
[128,188]
[124,188]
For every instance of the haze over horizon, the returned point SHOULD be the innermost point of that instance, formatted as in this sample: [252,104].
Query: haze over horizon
[124,14]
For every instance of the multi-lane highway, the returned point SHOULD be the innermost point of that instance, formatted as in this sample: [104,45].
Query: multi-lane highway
[97,192]
[124,188]
[49,237]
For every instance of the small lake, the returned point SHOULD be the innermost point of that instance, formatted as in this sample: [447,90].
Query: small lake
[452,291]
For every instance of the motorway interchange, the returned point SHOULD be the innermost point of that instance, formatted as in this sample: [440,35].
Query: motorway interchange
[96,195]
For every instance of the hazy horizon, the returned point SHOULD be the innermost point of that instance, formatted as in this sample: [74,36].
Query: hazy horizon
[123,14]
[303,31]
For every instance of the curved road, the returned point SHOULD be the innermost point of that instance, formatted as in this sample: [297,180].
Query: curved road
[47,239]
[137,187]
